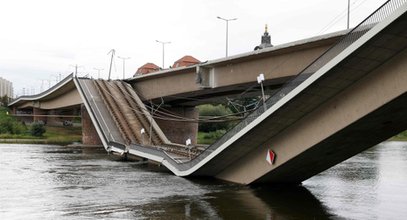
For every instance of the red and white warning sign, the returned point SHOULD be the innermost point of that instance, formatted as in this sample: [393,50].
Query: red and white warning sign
[271,156]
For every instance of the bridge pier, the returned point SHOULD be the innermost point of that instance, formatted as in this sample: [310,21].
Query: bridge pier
[177,131]
[89,133]
[38,111]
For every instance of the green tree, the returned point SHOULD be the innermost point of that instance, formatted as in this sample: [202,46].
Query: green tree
[8,124]
[4,100]
[213,111]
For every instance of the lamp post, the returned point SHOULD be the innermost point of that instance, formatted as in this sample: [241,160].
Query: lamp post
[112,51]
[227,30]
[163,43]
[124,64]
[260,80]
[348,17]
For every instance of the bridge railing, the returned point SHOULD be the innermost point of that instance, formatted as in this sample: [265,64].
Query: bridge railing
[377,16]
[91,110]
[43,93]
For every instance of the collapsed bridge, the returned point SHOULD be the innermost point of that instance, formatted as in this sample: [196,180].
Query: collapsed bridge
[351,97]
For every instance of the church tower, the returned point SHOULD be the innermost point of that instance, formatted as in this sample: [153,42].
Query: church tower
[265,40]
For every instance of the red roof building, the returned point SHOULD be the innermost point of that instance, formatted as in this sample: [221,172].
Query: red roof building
[185,61]
[147,68]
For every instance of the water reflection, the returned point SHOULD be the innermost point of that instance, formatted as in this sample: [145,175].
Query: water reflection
[293,203]
[237,202]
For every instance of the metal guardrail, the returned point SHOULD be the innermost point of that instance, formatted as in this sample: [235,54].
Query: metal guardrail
[105,137]
[379,15]
[52,88]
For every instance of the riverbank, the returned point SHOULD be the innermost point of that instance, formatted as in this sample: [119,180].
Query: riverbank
[400,137]
[53,135]
[70,135]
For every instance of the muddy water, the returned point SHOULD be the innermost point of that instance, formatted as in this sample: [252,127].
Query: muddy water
[57,182]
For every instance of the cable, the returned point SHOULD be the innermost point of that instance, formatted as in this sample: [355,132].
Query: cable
[184,119]
[339,17]
[176,115]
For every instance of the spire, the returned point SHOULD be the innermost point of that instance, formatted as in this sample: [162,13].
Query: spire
[265,40]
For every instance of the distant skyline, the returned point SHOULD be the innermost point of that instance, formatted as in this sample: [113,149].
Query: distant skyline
[42,40]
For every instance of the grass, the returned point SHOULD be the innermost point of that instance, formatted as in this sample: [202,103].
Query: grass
[53,135]
[17,136]
[63,134]
[400,137]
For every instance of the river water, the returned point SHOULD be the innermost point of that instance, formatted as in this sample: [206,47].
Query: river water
[57,182]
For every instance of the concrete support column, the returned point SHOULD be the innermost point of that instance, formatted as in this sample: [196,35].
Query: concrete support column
[37,112]
[179,132]
[89,133]
[54,121]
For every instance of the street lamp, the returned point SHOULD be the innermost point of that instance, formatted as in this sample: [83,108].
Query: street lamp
[260,80]
[124,63]
[227,30]
[163,43]
[348,17]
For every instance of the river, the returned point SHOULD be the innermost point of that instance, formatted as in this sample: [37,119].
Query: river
[58,182]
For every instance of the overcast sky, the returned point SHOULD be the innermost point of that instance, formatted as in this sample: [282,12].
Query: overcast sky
[42,39]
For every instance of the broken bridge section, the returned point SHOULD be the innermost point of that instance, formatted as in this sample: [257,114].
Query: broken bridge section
[124,123]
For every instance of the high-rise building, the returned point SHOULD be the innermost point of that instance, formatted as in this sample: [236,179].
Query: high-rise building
[6,88]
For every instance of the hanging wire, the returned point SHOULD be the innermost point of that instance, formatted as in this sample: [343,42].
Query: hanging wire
[169,113]
[339,17]
[181,119]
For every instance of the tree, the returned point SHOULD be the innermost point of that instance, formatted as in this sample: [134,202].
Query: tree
[8,124]
[210,111]
[4,100]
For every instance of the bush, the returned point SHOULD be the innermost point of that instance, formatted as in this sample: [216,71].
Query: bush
[37,129]
[8,124]
[214,135]
[18,128]
[213,110]
[210,137]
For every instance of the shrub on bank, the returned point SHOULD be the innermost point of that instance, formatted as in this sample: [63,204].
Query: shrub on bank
[210,137]
[8,124]
[37,129]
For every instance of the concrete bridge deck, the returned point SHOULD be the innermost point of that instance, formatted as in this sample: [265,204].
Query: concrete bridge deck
[212,80]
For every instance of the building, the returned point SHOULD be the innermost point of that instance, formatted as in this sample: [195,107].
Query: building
[185,61]
[147,68]
[265,40]
[6,88]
